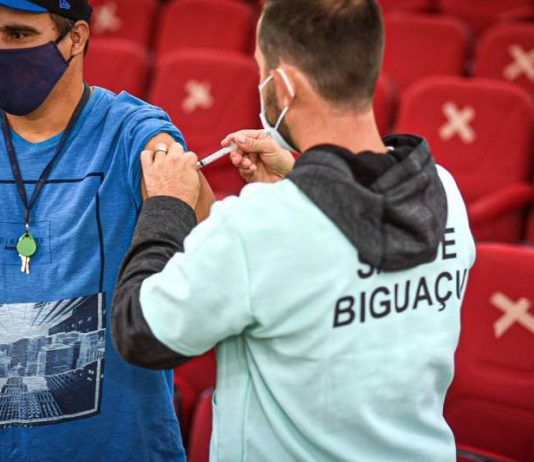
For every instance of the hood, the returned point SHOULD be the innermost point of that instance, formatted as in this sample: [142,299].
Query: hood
[392,207]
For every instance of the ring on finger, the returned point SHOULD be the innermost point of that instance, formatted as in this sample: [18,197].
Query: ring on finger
[161,147]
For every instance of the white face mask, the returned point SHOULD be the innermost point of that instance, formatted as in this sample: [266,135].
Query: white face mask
[269,129]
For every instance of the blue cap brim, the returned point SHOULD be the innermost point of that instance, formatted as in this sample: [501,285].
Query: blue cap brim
[23,5]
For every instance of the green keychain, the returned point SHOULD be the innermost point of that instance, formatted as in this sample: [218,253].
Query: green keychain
[26,248]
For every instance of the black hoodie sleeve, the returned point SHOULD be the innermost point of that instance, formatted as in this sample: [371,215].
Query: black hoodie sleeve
[163,224]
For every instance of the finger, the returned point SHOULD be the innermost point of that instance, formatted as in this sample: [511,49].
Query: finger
[190,158]
[159,157]
[236,158]
[246,163]
[250,133]
[253,157]
[247,175]
[176,150]
[251,168]
[147,159]
[254,145]
[230,137]
[241,161]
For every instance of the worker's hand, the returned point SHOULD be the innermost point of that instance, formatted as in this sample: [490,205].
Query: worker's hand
[258,157]
[174,174]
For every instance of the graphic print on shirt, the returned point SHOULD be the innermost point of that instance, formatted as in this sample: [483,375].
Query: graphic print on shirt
[51,360]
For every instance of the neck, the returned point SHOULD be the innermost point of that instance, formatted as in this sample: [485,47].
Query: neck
[52,117]
[356,132]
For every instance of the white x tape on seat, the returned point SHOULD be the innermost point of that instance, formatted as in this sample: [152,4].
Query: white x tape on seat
[514,312]
[107,19]
[458,123]
[523,64]
[198,96]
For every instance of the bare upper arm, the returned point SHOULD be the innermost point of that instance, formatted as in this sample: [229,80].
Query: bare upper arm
[206,199]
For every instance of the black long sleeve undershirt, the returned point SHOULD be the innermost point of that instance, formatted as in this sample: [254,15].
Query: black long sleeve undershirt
[163,225]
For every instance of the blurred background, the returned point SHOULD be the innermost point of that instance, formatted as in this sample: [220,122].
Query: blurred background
[459,73]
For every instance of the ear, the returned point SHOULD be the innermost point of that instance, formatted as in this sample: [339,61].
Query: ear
[79,36]
[285,86]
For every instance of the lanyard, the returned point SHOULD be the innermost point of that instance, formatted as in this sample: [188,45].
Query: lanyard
[48,169]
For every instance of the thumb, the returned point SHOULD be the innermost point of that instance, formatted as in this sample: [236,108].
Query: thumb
[147,159]
[247,144]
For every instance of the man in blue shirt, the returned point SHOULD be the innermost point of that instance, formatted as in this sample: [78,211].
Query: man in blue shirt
[70,189]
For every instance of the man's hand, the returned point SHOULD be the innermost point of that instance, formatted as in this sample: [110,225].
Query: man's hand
[174,174]
[258,157]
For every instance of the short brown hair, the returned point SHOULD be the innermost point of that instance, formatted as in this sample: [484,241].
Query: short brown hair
[64,26]
[338,44]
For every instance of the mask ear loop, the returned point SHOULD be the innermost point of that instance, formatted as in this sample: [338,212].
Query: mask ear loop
[61,38]
[281,118]
[286,82]
[265,82]
[289,87]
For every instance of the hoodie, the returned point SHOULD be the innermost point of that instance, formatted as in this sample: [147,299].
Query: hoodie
[332,298]
[392,207]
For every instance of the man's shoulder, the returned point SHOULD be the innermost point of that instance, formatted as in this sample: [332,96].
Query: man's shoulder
[137,120]
[263,208]
[123,104]
[258,199]
[446,177]
[457,213]
[454,196]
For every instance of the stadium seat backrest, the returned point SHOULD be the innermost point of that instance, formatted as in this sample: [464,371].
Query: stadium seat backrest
[389,6]
[118,65]
[126,19]
[506,52]
[209,95]
[191,380]
[199,443]
[480,130]
[419,46]
[530,228]
[211,24]
[385,104]
[490,405]
[481,14]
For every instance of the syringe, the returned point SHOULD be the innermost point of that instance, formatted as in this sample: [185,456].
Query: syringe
[216,156]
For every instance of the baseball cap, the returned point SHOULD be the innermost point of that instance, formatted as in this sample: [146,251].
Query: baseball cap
[71,9]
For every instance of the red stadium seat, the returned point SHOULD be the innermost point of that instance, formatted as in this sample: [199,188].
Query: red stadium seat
[211,24]
[530,227]
[385,104]
[118,65]
[389,6]
[121,19]
[469,454]
[191,380]
[209,95]
[420,46]
[506,52]
[480,14]
[482,132]
[490,405]
[199,442]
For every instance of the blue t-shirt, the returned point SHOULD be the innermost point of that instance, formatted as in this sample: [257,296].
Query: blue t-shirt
[65,394]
